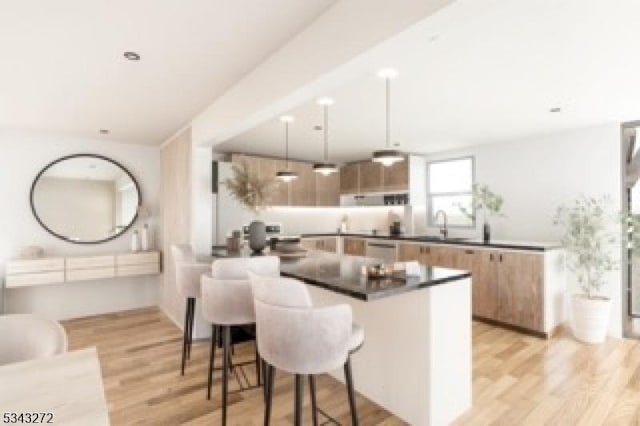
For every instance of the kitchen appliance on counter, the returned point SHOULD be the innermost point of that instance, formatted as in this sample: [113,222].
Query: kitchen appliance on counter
[382,199]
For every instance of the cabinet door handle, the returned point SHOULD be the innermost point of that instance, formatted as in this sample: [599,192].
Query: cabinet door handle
[500,257]
[421,250]
[427,249]
[491,257]
[469,251]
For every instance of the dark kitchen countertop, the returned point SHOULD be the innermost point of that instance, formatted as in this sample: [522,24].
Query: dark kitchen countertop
[341,274]
[473,242]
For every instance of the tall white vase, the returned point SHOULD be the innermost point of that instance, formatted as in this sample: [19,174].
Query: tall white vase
[135,242]
[145,243]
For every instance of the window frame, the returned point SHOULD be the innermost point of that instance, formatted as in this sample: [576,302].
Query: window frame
[430,219]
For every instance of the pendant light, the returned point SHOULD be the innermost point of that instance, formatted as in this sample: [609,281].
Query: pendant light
[387,156]
[286,175]
[325,168]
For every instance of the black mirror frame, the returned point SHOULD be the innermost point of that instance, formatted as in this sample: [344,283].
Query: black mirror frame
[102,157]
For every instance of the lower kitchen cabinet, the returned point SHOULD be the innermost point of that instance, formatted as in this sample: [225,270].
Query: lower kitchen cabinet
[322,244]
[355,246]
[520,289]
[507,285]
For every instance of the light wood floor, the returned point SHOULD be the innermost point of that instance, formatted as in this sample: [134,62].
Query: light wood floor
[517,379]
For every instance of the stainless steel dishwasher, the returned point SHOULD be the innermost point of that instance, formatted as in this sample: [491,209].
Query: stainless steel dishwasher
[383,250]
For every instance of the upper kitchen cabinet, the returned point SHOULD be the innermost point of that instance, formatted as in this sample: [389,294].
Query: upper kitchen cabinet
[268,169]
[370,177]
[350,178]
[303,189]
[396,177]
[328,190]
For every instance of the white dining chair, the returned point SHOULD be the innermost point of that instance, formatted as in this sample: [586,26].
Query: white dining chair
[188,271]
[227,301]
[25,336]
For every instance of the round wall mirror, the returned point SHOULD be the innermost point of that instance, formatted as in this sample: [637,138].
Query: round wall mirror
[85,198]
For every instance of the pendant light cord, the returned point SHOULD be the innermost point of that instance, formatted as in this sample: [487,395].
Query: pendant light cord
[388,110]
[286,143]
[326,133]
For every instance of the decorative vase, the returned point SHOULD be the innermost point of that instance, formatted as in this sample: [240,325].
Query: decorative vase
[257,236]
[590,318]
[144,238]
[486,232]
[135,242]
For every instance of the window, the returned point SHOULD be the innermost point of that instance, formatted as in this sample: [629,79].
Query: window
[449,188]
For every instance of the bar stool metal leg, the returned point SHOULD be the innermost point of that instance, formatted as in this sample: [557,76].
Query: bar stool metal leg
[192,309]
[269,379]
[225,372]
[212,356]
[352,399]
[185,338]
[298,404]
[314,405]
[258,373]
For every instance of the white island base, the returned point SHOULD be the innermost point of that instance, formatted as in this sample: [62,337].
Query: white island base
[416,358]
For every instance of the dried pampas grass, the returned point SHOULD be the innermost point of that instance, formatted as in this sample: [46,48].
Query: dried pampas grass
[250,191]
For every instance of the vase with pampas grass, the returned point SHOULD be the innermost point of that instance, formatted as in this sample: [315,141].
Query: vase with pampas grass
[255,194]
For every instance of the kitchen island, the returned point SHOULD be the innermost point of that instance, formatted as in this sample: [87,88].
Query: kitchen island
[416,359]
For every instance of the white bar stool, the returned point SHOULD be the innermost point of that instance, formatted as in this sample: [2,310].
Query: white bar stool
[227,300]
[25,336]
[295,337]
[188,272]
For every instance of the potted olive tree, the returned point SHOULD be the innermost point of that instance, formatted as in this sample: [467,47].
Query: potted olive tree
[490,203]
[589,239]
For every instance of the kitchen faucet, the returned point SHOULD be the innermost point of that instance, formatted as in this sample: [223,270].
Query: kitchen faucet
[444,230]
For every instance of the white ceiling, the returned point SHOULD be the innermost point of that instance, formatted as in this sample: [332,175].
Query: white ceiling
[477,72]
[62,67]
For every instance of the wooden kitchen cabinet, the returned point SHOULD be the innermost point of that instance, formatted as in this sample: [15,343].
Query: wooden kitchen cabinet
[328,190]
[370,177]
[520,289]
[268,169]
[328,244]
[355,246]
[302,191]
[507,285]
[484,291]
[396,176]
[410,252]
[350,179]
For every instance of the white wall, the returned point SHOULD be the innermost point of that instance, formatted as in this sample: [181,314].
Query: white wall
[22,155]
[536,175]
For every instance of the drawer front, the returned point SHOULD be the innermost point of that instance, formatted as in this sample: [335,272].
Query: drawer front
[138,258]
[28,266]
[90,274]
[141,269]
[41,278]
[90,262]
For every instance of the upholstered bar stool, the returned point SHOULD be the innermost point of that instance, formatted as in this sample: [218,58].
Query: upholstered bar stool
[188,273]
[295,337]
[227,300]
[25,336]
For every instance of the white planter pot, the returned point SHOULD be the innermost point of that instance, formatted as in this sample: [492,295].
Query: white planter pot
[590,318]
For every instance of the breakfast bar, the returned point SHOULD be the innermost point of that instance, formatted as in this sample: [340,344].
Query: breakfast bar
[416,359]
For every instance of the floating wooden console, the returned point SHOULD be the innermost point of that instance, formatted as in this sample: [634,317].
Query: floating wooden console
[53,270]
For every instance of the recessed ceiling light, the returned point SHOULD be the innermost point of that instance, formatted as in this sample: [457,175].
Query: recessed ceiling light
[396,144]
[287,118]
[324,101]
[434,38]
[555,109]
[317,127]
[132,56]
[92,166]
[104,131]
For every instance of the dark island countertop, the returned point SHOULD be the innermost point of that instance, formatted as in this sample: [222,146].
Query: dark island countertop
[473,242]
[342,274]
